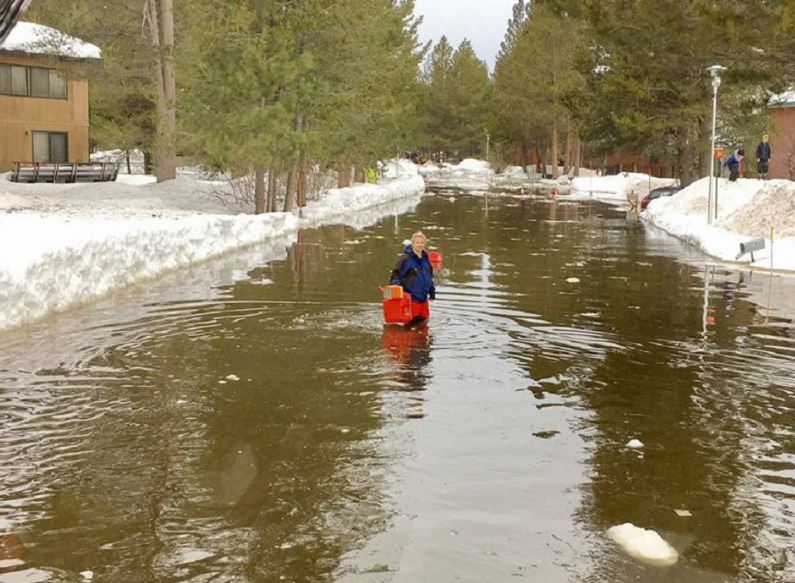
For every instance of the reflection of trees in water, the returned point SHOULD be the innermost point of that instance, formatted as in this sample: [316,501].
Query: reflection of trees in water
[677,389]
[248,478]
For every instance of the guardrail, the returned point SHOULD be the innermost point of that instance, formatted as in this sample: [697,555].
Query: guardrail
[64,172]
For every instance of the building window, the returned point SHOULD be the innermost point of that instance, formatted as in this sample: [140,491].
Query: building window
[32,82]
[50,147]
[19,81]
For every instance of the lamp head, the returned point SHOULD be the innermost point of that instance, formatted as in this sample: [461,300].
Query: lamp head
[716,70]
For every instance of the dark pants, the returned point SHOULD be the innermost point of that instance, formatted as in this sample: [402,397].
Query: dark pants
[762,167]
[734,172]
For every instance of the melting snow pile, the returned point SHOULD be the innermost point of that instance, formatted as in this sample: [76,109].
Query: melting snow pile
[514,171]
[401,169]
[617,187]
[643,545]
[472,166]
[430,168]
[469,174]
[746,209]
[53,261]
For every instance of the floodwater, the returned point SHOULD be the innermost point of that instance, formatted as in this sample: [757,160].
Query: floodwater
[251,419]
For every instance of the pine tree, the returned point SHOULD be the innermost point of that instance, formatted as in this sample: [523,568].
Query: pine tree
[538,83]
[519,17]
[652,91]
[456,99]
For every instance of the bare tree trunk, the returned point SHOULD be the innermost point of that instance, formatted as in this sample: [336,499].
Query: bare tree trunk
[577,153]
[271,204]
[160,16]
[288,195]
[127,156]
[358,176]
[685,160]
[569,148]
[259,191]
[301,187]
[555,153]
[344,175]
[704,131]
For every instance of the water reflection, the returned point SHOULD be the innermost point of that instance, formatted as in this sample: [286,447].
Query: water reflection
[253,420]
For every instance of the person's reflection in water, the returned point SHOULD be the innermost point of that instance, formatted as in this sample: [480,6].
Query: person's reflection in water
[409,352]
[11,552]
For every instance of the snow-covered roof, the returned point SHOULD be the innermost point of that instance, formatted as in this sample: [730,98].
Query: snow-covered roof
[37,39]
[786,99]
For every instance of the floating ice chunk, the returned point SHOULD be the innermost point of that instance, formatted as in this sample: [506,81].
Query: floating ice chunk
[26,576]
[9,563]
[232,377]
[221,382]
[573,280]
[87,575]
[188,556]
[683,513]
[262,282]
[635,444]
[643,545]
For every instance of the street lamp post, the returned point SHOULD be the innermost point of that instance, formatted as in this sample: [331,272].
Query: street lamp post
[714,71]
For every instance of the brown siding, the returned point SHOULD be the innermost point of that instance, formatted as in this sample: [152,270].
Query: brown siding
[782,143]
[19,116]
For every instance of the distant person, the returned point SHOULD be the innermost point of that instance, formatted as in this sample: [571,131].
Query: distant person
[733,164]
[763,155]
[414,273]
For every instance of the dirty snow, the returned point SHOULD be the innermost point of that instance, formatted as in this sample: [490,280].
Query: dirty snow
[747,209]
[616,187]
[73,243]
[473,166]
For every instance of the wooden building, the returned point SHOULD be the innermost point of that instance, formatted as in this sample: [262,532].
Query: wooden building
[782,136]
[43,98]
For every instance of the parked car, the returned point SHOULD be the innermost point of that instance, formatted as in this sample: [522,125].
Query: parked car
[658,193]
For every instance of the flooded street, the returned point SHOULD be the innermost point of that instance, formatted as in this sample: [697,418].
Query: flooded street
[251,419]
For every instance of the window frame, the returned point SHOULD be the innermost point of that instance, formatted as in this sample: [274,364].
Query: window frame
[49,145]
[50,72]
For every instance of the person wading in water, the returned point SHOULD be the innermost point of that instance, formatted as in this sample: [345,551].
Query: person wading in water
[414,273]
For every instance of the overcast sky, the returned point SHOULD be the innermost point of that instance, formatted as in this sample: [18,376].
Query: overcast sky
[481,21]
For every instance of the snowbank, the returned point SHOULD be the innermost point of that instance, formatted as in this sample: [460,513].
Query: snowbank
[516,171]
[746,209]
[616,187]
[429,168]
[63,259]
[470,174]
[472,166]
[343,202]
[402,169]
[38,39]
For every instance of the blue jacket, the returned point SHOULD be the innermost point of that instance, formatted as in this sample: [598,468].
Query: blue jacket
[763,151]
[734,159]
[415,275]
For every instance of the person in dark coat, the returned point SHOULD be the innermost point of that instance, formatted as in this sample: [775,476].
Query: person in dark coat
[763,155]
[733,164]
[414,273]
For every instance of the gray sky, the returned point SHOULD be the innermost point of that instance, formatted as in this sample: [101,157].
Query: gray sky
[481,21]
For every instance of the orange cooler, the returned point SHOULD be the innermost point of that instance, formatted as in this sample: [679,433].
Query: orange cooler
[436,258]
[397,305]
